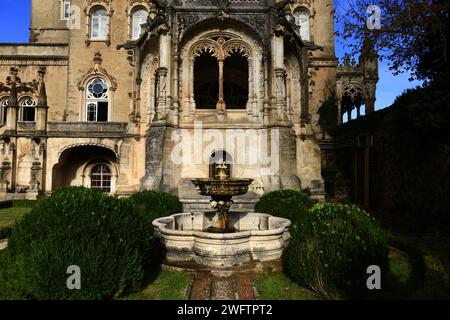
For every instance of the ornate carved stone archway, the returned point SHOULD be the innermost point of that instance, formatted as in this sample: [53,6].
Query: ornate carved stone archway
[220,45]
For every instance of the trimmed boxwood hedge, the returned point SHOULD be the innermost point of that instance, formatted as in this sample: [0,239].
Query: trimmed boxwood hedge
[153,204]
[331,247]
[6,204]
[102,235]
[5,232]
[286,203]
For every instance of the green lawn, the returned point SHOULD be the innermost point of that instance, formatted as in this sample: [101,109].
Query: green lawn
[419,269]
[9,216]
[167,286]
[276,286]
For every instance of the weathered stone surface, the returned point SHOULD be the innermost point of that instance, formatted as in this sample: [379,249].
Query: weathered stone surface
[154,157]
[258,237]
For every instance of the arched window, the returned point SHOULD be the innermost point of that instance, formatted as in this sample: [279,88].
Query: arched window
[65,10]
[302,21]
[97,101]
[4,110]
[138,18]
[99,23]
[101,177]
[206,81]
[216,158]
[28,107]
[235,81]
[352,103]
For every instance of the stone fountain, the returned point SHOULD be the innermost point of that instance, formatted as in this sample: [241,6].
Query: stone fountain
[221,190]
[222,237]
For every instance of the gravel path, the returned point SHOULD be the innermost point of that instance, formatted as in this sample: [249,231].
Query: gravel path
[238,286]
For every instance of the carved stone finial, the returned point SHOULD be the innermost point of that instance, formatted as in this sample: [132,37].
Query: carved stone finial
[13,76]
[97,61]
[98,58]
[42,70]
[13,71]
[42,99]
[347,60]
[12,101]
[222,6]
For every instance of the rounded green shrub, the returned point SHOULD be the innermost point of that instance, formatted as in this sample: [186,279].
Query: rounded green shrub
[153,204]
[287,203]
[331,248]
[101,235]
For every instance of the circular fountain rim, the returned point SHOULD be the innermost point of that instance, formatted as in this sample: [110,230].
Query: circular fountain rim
[222,181]
[161,223]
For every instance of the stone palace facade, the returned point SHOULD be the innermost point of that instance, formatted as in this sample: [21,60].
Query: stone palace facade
[126,95]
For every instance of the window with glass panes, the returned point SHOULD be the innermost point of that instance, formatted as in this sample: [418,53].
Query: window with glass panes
[139,17]
[4,110]
[97,95]
[28,110]
[99,24]
[101,177]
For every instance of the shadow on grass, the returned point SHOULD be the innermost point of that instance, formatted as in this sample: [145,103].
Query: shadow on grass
[154,261]
[159,284]
[407,270]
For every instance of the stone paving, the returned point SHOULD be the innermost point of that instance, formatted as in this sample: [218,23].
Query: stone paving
[207,286]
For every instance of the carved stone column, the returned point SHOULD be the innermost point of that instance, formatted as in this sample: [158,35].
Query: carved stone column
[163,72]
[279,85]
[5,168]
[41,107]
[339,106]
[280,93]
[36,168]
[266,90]
[161,101]
[221,102]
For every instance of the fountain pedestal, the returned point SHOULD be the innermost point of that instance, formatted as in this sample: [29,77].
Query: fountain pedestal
[221,189]
[222,205]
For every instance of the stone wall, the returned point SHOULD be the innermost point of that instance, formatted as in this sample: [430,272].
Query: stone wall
[407,177]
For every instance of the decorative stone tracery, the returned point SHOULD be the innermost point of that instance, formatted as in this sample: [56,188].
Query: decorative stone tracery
[220,45]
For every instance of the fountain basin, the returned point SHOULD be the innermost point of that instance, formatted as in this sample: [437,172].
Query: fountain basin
[259,237]
[218,187]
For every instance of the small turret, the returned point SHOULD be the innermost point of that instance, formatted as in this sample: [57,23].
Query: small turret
[12,108]
[42,106]
[369,63]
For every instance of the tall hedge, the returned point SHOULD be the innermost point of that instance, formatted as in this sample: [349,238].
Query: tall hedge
[332,246]
[289,204]
[153,204]
[101,235]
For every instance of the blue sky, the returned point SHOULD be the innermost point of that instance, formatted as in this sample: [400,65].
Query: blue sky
[15,21]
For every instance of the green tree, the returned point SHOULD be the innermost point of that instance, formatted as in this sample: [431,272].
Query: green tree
[413,36]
